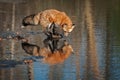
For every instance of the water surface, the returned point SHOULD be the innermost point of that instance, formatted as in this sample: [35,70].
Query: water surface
[95,41]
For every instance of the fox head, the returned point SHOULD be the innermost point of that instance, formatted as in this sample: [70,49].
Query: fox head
[67,28]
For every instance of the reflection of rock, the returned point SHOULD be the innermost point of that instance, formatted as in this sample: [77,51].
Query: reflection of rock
[29,69]
[58,56]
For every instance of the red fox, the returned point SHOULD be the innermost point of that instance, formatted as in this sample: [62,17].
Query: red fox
[46,17]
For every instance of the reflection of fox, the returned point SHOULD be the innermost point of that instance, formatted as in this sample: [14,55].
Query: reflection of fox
[30,49]
[58,56]
[46,17]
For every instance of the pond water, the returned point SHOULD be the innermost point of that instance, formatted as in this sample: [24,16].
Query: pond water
[95,41]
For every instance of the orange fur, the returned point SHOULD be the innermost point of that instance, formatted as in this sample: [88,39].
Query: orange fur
[58,56]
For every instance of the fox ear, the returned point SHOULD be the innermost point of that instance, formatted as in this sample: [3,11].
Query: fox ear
[73,25]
